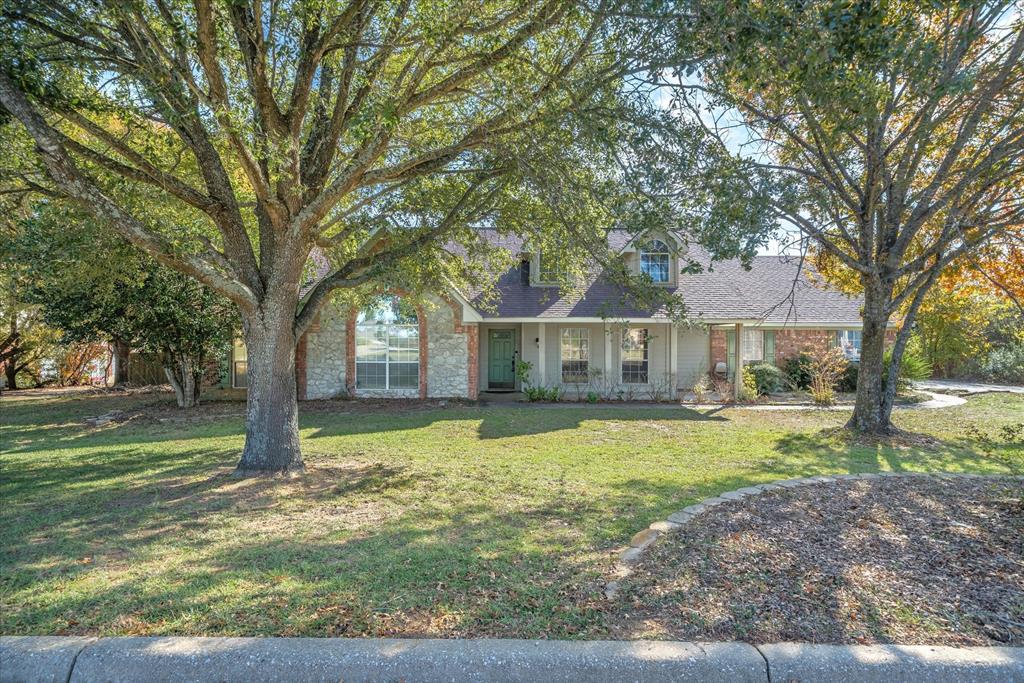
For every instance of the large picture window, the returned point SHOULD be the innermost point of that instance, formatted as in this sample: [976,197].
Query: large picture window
[654,261]
[634,357]
[575,354]
[388,346]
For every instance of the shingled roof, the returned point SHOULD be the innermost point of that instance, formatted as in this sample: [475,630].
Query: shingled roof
[775,290]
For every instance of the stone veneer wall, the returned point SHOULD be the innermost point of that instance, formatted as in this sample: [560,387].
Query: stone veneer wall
[325,354]
[448,354]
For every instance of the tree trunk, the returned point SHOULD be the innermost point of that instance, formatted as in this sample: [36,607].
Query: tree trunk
[869,415]
[11,372]
[184,381]
[121,353]
[272,412]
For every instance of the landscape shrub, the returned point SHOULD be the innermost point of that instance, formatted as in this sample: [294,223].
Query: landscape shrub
[847,384]
[827,366]
[913,368]
[1005,364]
[798,370]
[749,390]
[767,377]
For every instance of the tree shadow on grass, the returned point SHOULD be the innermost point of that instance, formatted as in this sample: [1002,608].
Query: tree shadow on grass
[499,422]
[830,447]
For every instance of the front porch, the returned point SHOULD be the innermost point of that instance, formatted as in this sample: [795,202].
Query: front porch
[641,360]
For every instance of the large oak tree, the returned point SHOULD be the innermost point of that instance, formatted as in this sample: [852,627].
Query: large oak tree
[376,131]
[891,135]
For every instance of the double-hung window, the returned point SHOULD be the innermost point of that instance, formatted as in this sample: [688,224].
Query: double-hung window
[634,356]
[388,346]
[753,345]
[654,261]
[575,345]
[239,365]
[849,342]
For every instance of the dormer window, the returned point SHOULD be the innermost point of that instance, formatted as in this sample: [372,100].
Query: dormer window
[548,271]
[654,261]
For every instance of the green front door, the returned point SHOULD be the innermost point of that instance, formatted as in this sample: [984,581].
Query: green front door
[501,349]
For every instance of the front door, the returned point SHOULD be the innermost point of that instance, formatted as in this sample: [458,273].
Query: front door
[501,349]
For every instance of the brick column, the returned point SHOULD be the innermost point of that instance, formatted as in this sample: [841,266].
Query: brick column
[423,351]
[350,352]
[473,358]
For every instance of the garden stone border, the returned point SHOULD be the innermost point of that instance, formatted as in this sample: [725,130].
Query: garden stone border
[675,522]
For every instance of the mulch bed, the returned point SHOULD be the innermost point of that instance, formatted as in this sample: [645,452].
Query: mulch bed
[916,560]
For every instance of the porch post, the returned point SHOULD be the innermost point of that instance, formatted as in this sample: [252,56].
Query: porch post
[737,378]
[541,363]
[673,360]
[608,369]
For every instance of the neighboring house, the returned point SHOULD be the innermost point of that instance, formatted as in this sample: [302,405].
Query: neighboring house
[451,345]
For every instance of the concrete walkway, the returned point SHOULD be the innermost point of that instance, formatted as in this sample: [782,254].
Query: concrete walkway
[967,387]
[253,660]
[935,401]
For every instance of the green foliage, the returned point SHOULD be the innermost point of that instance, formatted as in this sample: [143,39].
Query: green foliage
[1005,364]
[913,368]
[768,378]
[537,394]
[593,397]
[94,287]
[798,370]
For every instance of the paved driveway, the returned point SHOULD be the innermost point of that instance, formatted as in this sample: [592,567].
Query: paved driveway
[959,387]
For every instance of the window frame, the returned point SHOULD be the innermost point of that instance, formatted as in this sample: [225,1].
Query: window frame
[235,346]
[842,335]
[647,251]
[583,350]
[550,279]
[759,344]
[646,360]
[370,329]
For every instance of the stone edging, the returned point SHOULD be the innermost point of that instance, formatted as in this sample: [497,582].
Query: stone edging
[282,660]
[675,522]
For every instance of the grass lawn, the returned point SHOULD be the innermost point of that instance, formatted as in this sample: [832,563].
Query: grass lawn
[416,521]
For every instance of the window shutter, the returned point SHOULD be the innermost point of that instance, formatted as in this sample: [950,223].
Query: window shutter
[769,346]
[730,352]
[524,271]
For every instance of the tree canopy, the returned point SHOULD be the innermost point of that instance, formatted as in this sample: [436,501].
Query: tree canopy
[891,135]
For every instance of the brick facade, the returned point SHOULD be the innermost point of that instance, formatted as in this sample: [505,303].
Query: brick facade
[788,343]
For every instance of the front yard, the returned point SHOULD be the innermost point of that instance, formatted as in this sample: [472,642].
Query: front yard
[411,520]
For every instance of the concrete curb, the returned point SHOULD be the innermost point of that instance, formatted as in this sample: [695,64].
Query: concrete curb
[155,660]
[676,522]
[83,660]
[892,663]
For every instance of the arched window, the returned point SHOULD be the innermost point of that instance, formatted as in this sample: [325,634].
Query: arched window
[654,260]
[388,345]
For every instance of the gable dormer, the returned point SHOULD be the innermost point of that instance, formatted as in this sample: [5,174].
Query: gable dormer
[655,255]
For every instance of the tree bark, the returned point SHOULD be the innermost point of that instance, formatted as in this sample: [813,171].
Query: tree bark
[121,354]
[869,415]
[183,379]
[272,412]
[11,372]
